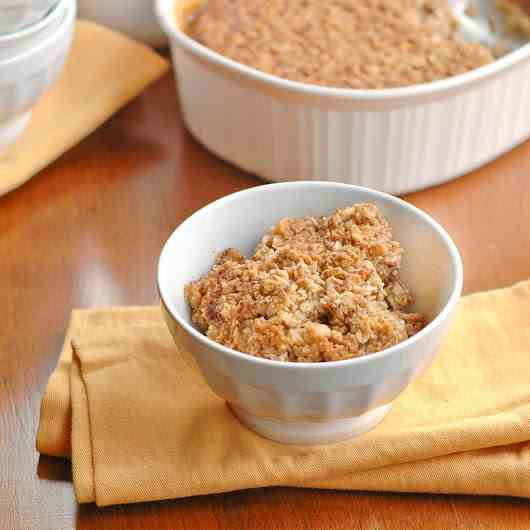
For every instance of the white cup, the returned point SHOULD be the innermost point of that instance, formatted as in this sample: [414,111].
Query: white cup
[18,14]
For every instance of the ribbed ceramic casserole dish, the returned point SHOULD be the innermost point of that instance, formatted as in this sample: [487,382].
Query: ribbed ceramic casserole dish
[395,140]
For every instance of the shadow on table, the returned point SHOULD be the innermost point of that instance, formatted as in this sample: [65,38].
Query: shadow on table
[299,509]
[54,469]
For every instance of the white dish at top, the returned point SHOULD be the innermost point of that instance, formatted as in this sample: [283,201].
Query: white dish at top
[135,18]
[17,14]
[395,140]
[309,403]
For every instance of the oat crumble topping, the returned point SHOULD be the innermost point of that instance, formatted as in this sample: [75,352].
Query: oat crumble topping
[316,289]
[517,16]
[340,43]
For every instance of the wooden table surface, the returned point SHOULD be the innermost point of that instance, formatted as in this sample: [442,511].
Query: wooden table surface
[87,232]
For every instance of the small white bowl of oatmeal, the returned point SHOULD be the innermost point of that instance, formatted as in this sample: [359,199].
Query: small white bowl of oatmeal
[309,306]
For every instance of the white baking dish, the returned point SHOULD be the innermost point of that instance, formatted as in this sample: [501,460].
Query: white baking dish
[395,140]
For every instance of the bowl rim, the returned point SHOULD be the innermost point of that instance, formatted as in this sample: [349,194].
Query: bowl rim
[165,14]
[65,24]
[443,314]
[50,16]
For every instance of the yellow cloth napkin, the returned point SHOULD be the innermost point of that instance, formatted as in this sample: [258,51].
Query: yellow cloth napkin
[144,426]
[103,72]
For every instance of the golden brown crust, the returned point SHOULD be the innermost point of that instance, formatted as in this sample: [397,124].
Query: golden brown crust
[316,289]
[340,43]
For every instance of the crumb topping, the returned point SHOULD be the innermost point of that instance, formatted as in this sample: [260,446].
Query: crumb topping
[517,16]
[340,43]
[316,289]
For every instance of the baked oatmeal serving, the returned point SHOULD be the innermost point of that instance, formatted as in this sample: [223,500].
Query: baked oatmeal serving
[339,43]
[315,289]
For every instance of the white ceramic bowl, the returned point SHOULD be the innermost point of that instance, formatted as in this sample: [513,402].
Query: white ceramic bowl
[135,18]
[25,77]
[395,140]
[17,14]
[12,44]
[313,402]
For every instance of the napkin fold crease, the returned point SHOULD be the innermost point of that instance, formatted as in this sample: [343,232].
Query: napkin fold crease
[140,424]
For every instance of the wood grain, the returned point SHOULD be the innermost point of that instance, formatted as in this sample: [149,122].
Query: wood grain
[87,232]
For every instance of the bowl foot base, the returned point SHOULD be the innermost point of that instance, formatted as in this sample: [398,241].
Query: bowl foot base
[311,433]
[10,130]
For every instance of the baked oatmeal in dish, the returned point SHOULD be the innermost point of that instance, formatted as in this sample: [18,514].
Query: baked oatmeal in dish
[362,44]
[316,289]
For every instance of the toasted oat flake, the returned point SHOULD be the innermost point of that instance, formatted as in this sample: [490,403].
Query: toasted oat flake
[316,289]
[472,9]
[517,16]
[492,23]
[340,43]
